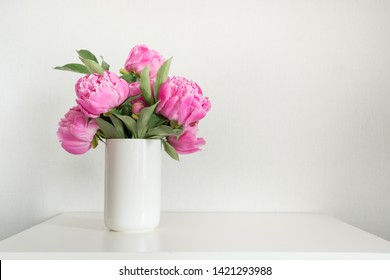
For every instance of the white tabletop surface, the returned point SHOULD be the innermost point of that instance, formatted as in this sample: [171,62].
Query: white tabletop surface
[198,236]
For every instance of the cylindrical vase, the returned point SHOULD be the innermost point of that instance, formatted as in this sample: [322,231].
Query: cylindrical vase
[132,184]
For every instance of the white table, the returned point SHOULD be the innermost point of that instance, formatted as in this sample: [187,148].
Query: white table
[198,236]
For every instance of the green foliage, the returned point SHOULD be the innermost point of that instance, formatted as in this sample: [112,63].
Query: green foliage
[143,120]
[107,128]
[104,64]
[149,125]
[162,131]
[74,67]
[95,142]
[156,120]
[130,78]
[85,54]
[145,86]
[130,124]
[120,132]
[170,150]
[161,77]
[91,64]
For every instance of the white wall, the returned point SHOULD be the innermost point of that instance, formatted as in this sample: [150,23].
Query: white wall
[300,91]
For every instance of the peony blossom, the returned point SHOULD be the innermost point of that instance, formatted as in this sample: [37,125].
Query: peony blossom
[139,103]
[141,56]
[182,100]
[99,94]
[75,132]
[134,89]
[187,143]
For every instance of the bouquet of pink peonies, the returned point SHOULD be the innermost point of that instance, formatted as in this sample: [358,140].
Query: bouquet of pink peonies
[143,102]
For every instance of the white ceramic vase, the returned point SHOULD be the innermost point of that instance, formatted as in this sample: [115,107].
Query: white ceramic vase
[132,184]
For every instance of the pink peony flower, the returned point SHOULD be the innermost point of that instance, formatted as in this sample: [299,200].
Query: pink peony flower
[182,100]
[140,56]
[75,132]
[138,103]
[98,94]
[187,143]
[134,89]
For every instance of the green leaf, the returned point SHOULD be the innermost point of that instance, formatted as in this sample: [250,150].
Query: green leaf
[162,131]
[143,120]
[95,142]
[145,86]
[108,129]
[170,150]
[131,98]
[92,66]
[130,124]
[74,67]
[115,111]
[126,110]
[105,65]
[174,124]
[87,55]
[118,126]
[162,76]
[123,71]
[130,78]
[100,136]
[125,107]
[156,120]
[178,132]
